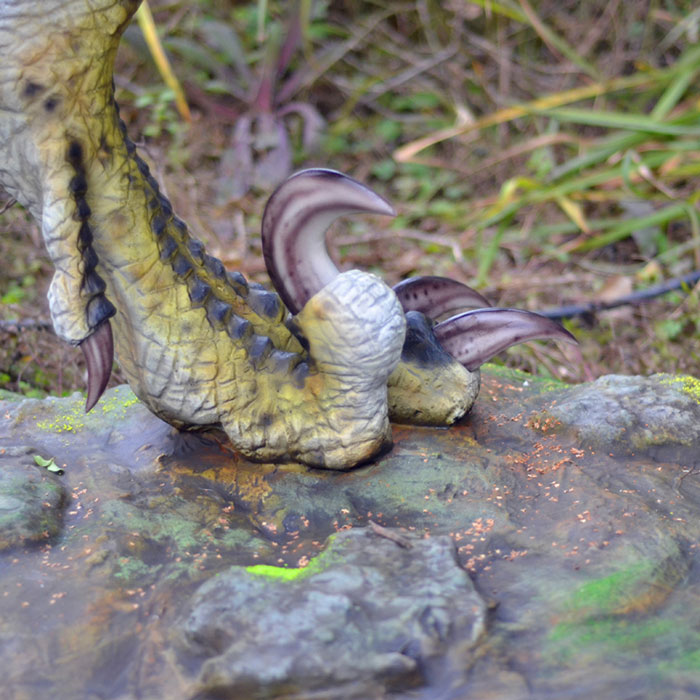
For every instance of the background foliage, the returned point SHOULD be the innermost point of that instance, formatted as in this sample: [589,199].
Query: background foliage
[545,152]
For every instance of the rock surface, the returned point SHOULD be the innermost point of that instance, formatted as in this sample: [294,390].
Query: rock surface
[30,501]
[370,612]
[162,565]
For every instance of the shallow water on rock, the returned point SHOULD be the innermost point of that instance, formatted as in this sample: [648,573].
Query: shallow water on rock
[573,512]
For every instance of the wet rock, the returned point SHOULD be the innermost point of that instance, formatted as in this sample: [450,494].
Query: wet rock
[572,513]
[31,500]
[368,613]
[657,416]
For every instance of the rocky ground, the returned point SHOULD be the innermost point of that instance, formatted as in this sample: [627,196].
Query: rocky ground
[544,547]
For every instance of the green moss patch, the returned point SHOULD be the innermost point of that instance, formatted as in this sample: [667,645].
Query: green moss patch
[288,574]
[616,616]
[68,421]
[684,382]
[516,376]
[610,594]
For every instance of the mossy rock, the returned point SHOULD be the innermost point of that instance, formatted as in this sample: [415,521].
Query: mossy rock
[31,502]
[572,511]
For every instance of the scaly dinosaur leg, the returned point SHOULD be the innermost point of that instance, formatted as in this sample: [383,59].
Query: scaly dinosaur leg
[48,55]
[199,345]
[429,386]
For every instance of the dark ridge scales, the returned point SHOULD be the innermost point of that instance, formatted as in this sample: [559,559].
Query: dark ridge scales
[32,89]
[99,308]
[199,291]
[181,266]
[217,310]
[186,254]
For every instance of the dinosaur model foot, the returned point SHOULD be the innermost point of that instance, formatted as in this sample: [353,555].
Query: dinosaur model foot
[437,380]
[199,345]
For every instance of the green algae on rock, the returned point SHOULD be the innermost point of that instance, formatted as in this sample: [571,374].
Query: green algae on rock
[582,548]
[658,415]
[31,501]
[371,610]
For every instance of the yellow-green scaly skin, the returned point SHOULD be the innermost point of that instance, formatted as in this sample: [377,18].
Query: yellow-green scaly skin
[198,346]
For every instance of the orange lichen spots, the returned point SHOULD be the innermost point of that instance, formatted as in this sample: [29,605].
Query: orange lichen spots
[542,421]
[475,535]
[515,554]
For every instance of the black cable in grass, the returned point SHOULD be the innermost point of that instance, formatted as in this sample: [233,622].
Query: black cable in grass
[15,326]
[558,314]
[590,308]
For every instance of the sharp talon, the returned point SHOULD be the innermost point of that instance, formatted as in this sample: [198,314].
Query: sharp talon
[294,225]
[435,296]
[475,337]
[98,349]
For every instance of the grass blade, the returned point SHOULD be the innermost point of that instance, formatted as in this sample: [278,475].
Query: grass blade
[615,120]
[625,228]
[150,34]
[407,152]
[554,40]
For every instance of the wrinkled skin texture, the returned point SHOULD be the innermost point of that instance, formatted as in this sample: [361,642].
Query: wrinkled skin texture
[199,346]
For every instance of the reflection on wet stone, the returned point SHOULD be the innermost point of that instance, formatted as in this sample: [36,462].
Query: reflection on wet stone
[553,553]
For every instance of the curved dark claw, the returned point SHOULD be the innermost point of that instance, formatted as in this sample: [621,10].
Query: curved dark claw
[294,224]
[474,337]
[98,349]
[435,296]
